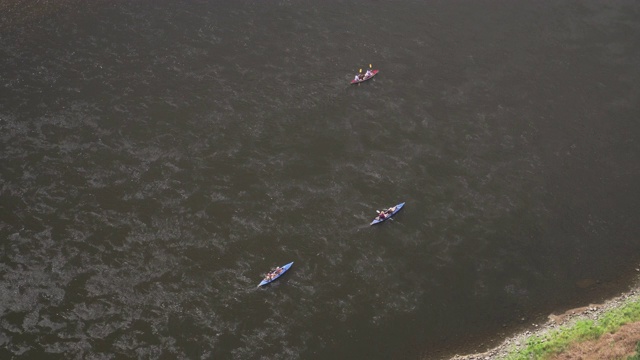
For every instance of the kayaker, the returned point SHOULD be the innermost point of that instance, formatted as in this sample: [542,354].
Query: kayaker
[274,272]
[368,73]
[382,215]
[357,78]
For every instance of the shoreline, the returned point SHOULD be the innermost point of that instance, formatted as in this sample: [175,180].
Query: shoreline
[519,339]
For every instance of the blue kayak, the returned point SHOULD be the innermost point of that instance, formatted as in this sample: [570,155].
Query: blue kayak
[395,211]
[277,275]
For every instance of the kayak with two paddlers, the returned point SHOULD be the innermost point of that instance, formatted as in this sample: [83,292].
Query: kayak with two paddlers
[275,273]
[364,77]
[386,214]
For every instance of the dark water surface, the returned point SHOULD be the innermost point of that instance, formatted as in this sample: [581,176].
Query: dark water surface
[159,156]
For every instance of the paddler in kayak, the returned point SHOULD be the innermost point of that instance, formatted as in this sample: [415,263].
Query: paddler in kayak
[368,73]
[383,214]
[273,273]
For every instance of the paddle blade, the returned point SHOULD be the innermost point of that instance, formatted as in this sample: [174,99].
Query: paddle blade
[369,66]
[360,70]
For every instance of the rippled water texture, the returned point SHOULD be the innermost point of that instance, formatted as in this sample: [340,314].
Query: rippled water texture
[159,156]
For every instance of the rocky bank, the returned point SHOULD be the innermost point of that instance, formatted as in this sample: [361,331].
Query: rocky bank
[592,311]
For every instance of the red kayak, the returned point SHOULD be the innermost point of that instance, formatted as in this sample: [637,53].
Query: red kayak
[363,77]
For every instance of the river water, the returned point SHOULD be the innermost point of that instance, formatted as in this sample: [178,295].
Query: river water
[159,156]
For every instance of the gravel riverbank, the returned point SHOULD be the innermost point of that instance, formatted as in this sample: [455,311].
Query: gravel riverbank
[592,311]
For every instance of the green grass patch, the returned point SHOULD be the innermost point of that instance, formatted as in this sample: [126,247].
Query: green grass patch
[553,342]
